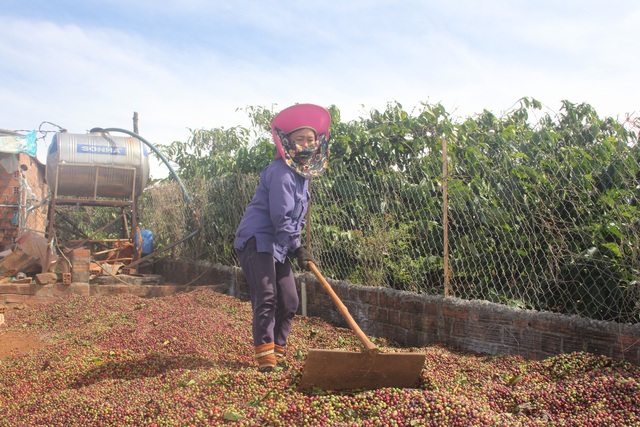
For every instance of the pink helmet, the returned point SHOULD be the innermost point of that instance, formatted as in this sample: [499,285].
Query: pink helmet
[297,117]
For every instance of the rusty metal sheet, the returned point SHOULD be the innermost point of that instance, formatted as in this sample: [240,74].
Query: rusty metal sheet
[344,370]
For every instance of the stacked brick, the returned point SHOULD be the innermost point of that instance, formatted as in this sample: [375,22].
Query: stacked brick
[9,199]
[12,194]
[81,261]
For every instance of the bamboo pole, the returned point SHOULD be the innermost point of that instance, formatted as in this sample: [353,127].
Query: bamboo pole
[445,218]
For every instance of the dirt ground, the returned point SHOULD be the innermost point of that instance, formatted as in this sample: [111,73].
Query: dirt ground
[15,343]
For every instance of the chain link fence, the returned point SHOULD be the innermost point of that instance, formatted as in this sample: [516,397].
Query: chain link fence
[546,219]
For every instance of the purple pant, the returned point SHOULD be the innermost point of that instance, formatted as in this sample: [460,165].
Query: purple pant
[274,298]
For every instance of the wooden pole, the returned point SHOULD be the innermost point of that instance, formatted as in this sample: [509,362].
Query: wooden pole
[445,218]
[135,122]
[308,222]
[134,207]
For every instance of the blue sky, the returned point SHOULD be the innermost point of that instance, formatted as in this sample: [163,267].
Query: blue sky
[191,64]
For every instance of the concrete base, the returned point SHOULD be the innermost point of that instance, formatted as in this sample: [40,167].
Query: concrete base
[143,285]
[137,279]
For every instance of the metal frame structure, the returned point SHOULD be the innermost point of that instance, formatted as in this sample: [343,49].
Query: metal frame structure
[129,202]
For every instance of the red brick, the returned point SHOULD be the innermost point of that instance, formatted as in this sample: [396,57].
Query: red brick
[431,308]
[413,304]
[486,332]
[420,338]
[394,316]
[631,354]
[599,347]
[394,332]
[27,288]
[377,314]
[15,299]
[521,323]
[530,340]
[81,253]
[537,355]
[141,291]
[313,298]
[83,289]
[107,290]
[342,292]
[6,222]
[456,327]
[386,299]
[488,315]
[59,289]
[426,323]
[37,299]
[563,327]
[595,335]
[370,296]
[511,337]
[550,343]
[44,291]
[628,341]
[460,313]
[8,288]
[10,191]
[571,343]
[406,320]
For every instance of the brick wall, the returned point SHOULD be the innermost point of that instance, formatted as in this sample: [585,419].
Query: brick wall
[9,198]
[35,175]
[12,194]
[420,320]
[16,294]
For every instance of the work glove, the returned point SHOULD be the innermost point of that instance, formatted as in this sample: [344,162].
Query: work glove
[303,256]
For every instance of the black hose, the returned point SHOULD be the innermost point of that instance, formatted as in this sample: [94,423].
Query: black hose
[156,151]
[173,172]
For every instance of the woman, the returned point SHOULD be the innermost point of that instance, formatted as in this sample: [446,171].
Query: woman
[271,226]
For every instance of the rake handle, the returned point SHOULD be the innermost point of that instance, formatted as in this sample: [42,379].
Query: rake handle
[366,342]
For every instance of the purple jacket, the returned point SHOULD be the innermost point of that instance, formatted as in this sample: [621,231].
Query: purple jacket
[276,214]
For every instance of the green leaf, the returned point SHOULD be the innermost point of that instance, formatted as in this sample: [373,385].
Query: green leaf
[232,416]
[513,380]
[612,249]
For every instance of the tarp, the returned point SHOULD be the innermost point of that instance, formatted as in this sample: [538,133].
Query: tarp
[35,246]
[19,144]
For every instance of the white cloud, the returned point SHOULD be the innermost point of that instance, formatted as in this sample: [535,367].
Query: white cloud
[191,64]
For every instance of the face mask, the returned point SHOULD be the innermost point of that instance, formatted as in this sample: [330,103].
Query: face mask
[304,154]
[310,162]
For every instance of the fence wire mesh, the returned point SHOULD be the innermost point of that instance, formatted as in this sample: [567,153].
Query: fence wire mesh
[545,219]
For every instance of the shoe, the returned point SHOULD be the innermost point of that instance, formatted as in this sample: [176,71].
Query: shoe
[266,369]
